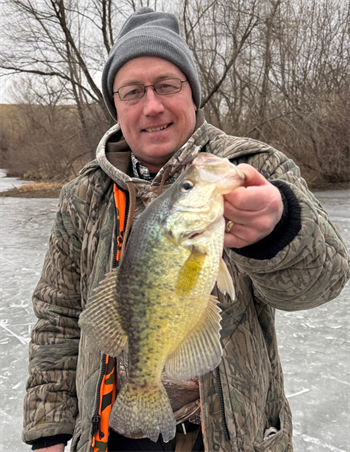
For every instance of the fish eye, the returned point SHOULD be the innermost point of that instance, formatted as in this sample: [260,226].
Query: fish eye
[186,185]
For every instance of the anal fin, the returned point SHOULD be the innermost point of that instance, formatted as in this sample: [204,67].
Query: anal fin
[201,350]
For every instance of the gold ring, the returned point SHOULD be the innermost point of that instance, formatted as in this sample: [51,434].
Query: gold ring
[229,225]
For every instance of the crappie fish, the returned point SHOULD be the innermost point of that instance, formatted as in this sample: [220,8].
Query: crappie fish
[158,302]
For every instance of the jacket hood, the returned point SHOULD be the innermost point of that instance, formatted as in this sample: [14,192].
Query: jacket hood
[113,155]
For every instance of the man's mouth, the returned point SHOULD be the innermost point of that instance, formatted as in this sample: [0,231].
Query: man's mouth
[156,129]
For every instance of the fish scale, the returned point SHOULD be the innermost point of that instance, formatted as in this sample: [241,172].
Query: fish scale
[158,301]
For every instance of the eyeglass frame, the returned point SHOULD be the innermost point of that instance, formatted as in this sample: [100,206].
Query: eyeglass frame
[147,86]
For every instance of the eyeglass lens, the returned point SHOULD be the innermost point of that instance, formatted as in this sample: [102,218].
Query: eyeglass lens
[163,87]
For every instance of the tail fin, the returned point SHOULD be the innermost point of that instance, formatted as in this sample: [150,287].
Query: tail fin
[143,409]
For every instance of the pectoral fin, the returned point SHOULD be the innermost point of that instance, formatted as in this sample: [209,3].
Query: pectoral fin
[100,320]
[201,350]
[224,280]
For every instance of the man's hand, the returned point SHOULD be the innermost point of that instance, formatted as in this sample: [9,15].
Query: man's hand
[55,448]
[254,209]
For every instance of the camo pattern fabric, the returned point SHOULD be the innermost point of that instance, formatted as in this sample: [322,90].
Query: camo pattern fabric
[244,396]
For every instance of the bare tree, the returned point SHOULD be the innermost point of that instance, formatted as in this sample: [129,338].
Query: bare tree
[66,42]
[275,70]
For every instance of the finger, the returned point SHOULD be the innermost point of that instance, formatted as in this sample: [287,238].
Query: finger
[240,235]
[252,176]
[254,198]
[245,199]
[254,194]
[234,241]
[230,241]
[243,210]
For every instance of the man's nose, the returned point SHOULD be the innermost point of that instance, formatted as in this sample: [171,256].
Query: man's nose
[153,104]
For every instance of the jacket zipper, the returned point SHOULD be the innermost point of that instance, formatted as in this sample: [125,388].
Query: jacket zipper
[221,395]
[96,417]
[115,262]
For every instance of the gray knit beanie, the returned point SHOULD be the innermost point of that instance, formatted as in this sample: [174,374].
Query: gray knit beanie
[149,33]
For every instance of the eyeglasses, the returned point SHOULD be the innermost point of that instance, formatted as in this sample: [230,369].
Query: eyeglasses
[163,88]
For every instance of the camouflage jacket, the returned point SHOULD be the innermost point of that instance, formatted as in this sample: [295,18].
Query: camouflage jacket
[244,397]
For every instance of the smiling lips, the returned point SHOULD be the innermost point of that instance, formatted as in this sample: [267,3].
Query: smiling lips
[156,129]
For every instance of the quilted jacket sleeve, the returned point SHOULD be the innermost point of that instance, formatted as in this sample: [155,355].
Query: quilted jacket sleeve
[313,267]
[50,404]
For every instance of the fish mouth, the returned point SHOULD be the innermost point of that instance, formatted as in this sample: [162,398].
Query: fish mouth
[220,171]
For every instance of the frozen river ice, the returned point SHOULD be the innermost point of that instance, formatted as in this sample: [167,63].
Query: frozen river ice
[6,183]
[314,344]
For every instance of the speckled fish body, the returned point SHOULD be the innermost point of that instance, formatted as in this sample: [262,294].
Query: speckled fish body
[159,301]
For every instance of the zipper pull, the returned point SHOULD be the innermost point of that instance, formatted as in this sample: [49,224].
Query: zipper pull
[96,418]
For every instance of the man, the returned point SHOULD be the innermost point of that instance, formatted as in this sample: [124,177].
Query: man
[280,248]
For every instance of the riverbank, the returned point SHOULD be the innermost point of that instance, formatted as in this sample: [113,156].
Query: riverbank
[52,189]
[36,190]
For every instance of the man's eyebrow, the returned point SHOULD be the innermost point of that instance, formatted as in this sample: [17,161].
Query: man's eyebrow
[157,79]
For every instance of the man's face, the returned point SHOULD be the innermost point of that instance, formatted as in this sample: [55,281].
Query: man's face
[155,126]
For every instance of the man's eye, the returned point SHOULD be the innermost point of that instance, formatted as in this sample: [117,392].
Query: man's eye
[132,92]
[166,87]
